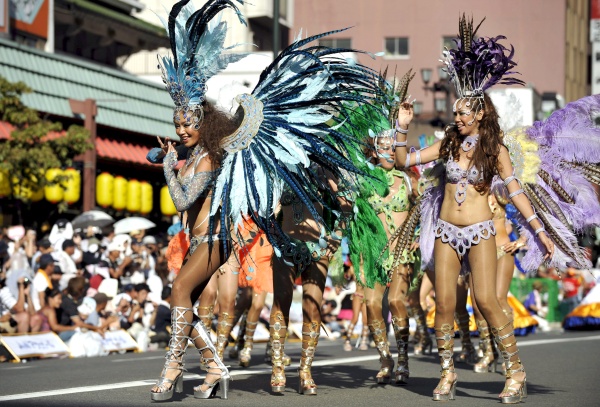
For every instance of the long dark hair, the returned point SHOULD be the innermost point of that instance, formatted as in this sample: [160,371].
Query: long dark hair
[215,125]
[487,149]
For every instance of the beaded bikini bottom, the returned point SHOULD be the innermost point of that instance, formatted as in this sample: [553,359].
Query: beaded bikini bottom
[462,238]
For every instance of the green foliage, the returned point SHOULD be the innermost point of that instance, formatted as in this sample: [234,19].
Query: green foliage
[35,144]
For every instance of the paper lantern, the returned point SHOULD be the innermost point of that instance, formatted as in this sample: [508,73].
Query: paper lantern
[105,189]
[54,193]
[134,196]
[119,193]
[4,184]
[72,185]
[37,195]
[147,197]
[167,207]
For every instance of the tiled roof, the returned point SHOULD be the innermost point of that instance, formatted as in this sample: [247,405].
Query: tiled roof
[124,101]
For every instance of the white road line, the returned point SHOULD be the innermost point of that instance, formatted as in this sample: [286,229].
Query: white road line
[328,362]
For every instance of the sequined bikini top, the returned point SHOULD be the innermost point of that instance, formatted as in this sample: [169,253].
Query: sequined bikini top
[206,178]
[399,201]
[454,173]
[461,177]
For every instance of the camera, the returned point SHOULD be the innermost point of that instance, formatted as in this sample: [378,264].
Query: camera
[25,282]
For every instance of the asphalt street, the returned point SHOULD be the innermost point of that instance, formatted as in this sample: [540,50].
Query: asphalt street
[562,370]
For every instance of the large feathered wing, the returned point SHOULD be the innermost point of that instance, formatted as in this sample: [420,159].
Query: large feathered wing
[557,160]
[291,123]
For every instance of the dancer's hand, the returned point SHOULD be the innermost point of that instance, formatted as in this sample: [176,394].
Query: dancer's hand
[548,244]
[163,146]
[414,246]
[512,247]
[405,114]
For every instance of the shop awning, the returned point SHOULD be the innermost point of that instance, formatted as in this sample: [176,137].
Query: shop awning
[105,148]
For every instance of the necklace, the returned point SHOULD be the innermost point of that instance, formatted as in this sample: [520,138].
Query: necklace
[193,154]
[469,143]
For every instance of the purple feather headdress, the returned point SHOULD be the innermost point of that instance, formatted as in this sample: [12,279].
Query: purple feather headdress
[478,63]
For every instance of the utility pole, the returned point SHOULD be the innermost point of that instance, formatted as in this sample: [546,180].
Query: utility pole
[89,109]
[276,39]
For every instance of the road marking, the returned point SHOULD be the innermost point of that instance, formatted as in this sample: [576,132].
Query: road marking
[328,362]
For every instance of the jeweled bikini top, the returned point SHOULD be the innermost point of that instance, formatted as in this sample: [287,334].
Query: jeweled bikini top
[461,177]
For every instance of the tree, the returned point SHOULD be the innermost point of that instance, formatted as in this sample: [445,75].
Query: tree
[35,145]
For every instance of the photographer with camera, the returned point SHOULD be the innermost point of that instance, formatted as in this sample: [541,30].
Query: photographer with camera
[17,314]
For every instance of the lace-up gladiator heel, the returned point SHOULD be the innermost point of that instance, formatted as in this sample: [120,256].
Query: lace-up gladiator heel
[516,389]
[174,357]
[424,345]
[310,338]
[446,389]
[348,339]
[224,326]
[234,352]
[467,354]
[384,376]
[212,364]
[246,352]
[488,361]
[364,339]
[401,333]
[277,331]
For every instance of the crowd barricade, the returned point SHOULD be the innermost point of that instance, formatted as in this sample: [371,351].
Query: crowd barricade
[49,344]
[521,288]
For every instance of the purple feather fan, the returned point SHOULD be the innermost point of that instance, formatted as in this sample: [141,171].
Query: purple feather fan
[431,203]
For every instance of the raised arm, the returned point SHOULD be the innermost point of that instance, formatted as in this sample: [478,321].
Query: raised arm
[404,159]
[517,195]
[201,180]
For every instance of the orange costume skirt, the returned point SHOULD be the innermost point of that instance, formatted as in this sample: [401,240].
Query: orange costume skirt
[256,269]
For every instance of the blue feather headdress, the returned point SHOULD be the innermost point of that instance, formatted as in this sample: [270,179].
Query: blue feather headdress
[197,53]
[478,63]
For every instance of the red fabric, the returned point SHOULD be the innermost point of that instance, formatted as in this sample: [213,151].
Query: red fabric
[95,281]
[571,286]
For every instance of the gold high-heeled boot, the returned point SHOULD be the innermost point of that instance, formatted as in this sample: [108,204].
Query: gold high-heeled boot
[348,338]
[424,345]
[181,324]
[224,326]
[379,333]
[516,389]
[246,352]
[234,352]
[310,338]
[467,354]
[277,335]
[206,316]
[487,363]
[446,389]
[402,372]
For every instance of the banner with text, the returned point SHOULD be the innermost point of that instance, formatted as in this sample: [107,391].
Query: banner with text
[35,344]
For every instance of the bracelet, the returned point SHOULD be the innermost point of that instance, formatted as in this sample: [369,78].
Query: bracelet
[510,179]
[532,217]
[396,144]
[407,162]
[517,192]
[399,129]
[539,230]
[418,157]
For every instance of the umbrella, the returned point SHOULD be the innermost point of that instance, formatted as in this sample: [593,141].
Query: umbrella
[92,218]
[133,223]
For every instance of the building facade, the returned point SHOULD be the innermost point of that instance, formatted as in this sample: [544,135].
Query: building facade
[550,37]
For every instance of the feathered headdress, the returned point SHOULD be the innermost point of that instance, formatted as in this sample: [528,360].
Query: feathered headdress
[478,63]
[197,53]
